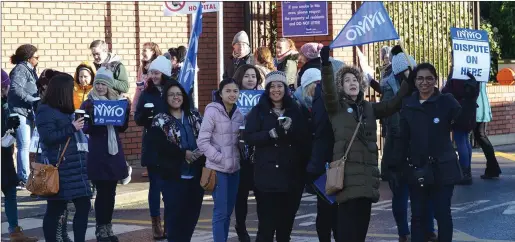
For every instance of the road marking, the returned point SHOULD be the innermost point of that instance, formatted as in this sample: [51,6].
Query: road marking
[510,209]
[465,206]
[508,156]
[26,224]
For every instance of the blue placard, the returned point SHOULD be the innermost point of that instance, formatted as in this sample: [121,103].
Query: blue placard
[304,18]
[369,24]
[247,100]
[320,189]
[110,112]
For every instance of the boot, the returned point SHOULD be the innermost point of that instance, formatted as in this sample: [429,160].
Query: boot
[157,228]
[404,238]
[432,237]
[18,236]
[467,176]
[243,235]
[62,228]
[110,233]
[101,233]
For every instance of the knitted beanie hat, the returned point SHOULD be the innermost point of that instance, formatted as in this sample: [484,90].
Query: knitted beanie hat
[241,37]
[337,64]
[311,50]
[105,77]
[5,79]
[310,75]
[399,61]
[162,65]
[276,76]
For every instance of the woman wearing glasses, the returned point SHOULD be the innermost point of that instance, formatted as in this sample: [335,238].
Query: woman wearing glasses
[430,163]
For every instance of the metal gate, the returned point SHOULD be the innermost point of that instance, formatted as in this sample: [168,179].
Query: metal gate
[424,28]
[260,23]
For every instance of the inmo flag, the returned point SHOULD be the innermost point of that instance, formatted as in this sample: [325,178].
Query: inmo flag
[369,24]
[187,73]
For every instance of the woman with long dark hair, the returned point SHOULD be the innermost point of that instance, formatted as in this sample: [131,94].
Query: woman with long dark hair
[173,136]
[429,161]
[59,132]
[159,75]
[248,78]
[280,134]
[218,141]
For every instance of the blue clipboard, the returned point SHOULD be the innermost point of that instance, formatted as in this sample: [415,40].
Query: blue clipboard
[319,185]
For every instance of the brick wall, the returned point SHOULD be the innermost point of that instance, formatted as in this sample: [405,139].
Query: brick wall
[502,101]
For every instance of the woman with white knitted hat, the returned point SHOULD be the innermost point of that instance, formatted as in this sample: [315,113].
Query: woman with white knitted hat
[150,103]
[280,133]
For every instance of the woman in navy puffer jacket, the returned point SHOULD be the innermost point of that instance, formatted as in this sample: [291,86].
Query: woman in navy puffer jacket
[56,125]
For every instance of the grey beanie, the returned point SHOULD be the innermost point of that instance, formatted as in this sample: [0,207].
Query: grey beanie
[400,64]
[241,37]
[105,77]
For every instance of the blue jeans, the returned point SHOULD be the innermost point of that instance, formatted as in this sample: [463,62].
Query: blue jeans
[23,135]
[224,197]
[154,193]
[441,196]
[183,201]
[11,207]
[464,148]
[400,209]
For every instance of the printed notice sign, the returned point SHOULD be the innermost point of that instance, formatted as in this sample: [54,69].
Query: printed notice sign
[304,18]
[471,53]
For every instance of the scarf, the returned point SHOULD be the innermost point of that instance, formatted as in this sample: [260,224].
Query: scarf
[81,138]
[112,143]
[281,57]
[167,124]
[245,50]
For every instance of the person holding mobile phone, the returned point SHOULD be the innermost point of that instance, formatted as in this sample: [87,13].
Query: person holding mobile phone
[173,136]
[280,134]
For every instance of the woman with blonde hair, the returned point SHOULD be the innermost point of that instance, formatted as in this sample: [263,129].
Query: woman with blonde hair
[264,61]
[286,59]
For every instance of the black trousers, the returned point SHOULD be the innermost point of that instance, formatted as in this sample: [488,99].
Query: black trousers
[353,220]
[276,214]
[327,220]
[104,203]
[55,218]
[492,166]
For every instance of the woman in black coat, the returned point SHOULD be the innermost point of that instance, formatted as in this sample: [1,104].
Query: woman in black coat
[429,161]
[279,131]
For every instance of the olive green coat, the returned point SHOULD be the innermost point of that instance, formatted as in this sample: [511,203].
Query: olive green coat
[361,171]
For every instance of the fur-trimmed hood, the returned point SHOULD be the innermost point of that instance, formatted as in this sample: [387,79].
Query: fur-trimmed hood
[363,84]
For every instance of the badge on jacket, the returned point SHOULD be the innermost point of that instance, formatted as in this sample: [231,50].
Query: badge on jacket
[349,110]
[436,120]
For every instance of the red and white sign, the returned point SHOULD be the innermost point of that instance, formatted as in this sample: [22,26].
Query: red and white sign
[183,7]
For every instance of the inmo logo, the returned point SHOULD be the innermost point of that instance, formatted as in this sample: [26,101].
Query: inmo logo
[108,110]
[248,99]
[466,34]
[369,22]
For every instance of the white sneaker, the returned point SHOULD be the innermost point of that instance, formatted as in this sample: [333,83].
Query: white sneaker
[126,180]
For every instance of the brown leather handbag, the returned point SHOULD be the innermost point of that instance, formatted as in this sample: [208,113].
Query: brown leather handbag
[336,172]
[208,179]
[44,179]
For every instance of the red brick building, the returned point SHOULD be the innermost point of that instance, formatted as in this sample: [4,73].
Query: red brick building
[62,31]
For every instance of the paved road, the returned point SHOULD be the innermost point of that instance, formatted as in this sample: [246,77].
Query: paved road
[484,211]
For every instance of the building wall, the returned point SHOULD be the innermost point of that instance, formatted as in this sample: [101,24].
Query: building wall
[62,31]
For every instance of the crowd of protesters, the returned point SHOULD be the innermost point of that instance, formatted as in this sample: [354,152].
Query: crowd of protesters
[313,111]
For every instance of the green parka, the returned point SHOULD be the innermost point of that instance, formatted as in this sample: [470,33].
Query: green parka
[361,171]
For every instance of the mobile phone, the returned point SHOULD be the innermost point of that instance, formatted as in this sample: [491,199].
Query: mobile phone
[281,120]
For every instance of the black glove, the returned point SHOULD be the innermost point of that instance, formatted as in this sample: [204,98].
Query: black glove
[324,55]
[13,122]
[470,87]
[280,132]
[471,77]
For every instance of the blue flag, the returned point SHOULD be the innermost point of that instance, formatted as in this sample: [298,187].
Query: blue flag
[187,73]
[369,24]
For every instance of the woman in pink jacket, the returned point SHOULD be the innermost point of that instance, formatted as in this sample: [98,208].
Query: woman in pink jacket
[218,140]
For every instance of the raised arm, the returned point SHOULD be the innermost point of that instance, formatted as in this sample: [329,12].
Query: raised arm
[387,108]
[329,92]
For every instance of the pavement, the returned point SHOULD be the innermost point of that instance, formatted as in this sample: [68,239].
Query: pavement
[484,211]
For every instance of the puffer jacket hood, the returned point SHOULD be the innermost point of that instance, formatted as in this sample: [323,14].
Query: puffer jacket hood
[80,93]
[218,138]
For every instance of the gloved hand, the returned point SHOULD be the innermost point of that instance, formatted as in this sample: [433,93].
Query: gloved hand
[286,123]
[324,55]
[13,122]
[277,132]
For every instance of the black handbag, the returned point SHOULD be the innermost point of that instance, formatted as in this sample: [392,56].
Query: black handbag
[422,174]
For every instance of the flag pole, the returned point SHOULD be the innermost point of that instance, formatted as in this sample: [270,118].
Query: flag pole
[195,75]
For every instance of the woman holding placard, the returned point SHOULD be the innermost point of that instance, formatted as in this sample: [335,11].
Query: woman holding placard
[106,161]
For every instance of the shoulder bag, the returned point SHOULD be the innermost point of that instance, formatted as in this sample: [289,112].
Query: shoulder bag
[44,178]
[336,171]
